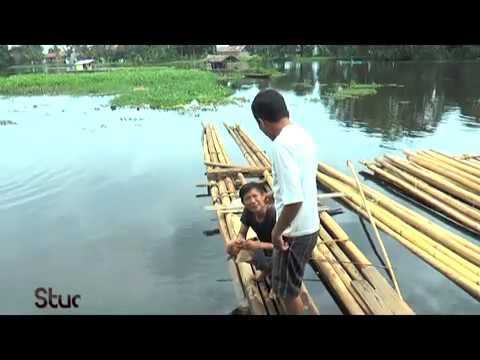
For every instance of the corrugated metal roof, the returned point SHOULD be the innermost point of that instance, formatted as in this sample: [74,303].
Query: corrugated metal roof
[82,62]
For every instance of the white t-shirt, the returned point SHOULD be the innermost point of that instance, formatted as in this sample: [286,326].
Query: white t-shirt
[294,169]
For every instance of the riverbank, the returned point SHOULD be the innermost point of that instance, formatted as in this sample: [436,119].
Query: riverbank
[157,87]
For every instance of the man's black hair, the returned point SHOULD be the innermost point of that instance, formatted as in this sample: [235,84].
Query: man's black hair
[270,106]
[245,189]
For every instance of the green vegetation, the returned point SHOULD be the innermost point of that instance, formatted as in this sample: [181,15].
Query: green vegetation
[257,65]
[159,87]
[301,59]
[354,91]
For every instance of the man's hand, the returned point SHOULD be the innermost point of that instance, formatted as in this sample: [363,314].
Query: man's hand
[233,248]
[250,245]
[278,241]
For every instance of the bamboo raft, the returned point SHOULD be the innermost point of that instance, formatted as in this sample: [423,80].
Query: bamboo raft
[353,281]
[446,184]
[223,190]
[452,255]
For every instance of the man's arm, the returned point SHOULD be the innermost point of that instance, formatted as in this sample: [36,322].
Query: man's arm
[289,213]
[242,234]
[234,246]
[288,179]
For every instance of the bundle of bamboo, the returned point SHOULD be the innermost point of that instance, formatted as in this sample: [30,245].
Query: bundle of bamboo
[449,185]
[449,253]
[352,280]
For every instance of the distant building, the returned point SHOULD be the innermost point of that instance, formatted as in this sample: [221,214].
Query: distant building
[222,62]
[85,65]
[55,57]
[234,50]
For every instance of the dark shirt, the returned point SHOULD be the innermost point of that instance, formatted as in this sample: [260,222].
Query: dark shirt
[264,228]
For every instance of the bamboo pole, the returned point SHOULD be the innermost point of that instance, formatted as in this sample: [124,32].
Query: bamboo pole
[404,213]
[437,181]
[255,148]
[218,174]
[431,157]
[457,210]
[342,265]
[377,235]
[230,166]
[244,271]
[221,146]
[334,284]
[341,273]
[236,272]
[259,292]
[364,266]
[463,267]
[450,240]
[425,253]
[468,269]
[245,154]
[470,162]
[454,162]
[466,209]
[343,259]
[450,172]
[252,157]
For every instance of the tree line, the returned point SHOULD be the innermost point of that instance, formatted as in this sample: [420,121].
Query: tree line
[145,54]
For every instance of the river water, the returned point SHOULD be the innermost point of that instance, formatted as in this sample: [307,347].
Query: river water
[103,203]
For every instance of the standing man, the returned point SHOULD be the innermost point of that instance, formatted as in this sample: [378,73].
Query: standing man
[294,166]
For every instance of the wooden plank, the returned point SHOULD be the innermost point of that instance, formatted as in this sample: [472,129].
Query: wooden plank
[388,294]
[371,298]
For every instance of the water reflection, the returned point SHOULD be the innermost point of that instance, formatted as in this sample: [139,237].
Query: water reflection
[415,108]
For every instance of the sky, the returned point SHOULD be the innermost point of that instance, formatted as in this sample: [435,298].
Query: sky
[45,47]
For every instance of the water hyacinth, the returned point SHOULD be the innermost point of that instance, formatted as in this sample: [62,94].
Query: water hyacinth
[159,87]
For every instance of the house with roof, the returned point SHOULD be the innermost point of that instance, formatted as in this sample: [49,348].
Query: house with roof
[85,65]
[234,50]
[222,62]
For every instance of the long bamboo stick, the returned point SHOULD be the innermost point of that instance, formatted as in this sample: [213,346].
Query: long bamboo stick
[247,156]
[245,272]
[412,244]
[256,149]
[437,181]
[454,162]
[470,162]
[253,157]
[366,269]
[462,213]
[235,222]
[435,231]
[238,273]
[377,235]
[467,209]
[455,243]
[342,274]
[450,258]
[463,179]
[431,156]
[334,284]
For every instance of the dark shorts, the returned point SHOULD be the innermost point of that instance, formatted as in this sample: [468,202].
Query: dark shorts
[261,261]
[288,266]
